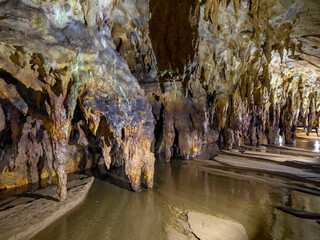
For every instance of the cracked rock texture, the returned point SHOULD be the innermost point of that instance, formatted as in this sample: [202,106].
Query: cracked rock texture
[63,82]
[116,81]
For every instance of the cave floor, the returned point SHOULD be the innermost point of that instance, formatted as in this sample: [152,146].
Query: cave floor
[21,217]
[272,191]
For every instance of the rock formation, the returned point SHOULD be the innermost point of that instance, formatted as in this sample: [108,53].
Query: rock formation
[59,66]
[117,81]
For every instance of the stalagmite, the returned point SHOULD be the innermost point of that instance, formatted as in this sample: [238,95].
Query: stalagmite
[311,115]
[118,82]
[168,134]
[59,134]
[48,154]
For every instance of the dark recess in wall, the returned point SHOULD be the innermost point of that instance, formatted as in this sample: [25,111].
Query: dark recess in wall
[173,34]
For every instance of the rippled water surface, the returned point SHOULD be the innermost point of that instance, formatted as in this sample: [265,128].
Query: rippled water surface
[111,211]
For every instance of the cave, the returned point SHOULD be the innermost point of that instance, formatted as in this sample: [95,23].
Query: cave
[173,34]
[160,119]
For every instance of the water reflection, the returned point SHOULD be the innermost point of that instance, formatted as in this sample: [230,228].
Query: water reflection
[317,146]
[280,141]
[113,212]
[308,144]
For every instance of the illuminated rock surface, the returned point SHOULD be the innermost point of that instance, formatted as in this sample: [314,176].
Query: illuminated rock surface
[210,227]
[116,82]
[59,68]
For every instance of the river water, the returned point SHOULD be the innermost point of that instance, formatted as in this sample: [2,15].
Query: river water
[112,211]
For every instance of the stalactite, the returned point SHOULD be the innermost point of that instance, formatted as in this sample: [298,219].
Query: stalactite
[222,76]
[246,119]
[312,114]
[290,117]
[59,133]
[23,148]
[236,6]
[222,106]
[212,11]
[34,151]
[106,153]
[16,128]
[82,140]
[139,158]
[168,134]
[269,43]
[254,6]
[236,118]
[10,93]
[48,154]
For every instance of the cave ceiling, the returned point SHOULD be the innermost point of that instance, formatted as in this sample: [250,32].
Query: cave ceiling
[129,80]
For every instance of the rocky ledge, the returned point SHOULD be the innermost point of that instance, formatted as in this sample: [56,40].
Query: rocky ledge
[23,217]
[205,227]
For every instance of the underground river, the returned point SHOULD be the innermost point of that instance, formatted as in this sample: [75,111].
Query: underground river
[274,200]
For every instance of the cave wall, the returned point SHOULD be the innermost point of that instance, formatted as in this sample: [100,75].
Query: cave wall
[253,74]
[62,76]
[116,81]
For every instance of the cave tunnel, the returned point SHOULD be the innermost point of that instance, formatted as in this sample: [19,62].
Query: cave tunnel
[160,119]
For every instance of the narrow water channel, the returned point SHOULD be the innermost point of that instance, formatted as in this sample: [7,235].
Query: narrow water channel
[112,211]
